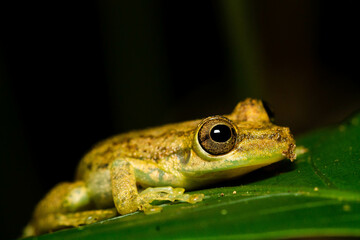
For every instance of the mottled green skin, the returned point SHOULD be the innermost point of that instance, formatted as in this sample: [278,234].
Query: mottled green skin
[169,155]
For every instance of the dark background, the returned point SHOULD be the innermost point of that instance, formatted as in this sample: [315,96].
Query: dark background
[73,73]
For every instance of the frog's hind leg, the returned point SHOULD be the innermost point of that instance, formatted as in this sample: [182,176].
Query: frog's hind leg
[66,205]
[57,221]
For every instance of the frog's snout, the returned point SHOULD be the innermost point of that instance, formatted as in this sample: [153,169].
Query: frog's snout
[290,152]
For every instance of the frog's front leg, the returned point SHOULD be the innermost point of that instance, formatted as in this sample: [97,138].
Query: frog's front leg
[127,199]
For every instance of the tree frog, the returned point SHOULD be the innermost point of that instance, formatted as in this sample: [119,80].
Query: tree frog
[125,173]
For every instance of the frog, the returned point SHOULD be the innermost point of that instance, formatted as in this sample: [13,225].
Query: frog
[127,172]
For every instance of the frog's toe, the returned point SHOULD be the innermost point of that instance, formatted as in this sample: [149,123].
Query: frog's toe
[166,194]
[29,231]
[150,209]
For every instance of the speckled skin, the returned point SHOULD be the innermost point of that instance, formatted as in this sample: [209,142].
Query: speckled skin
[168,158]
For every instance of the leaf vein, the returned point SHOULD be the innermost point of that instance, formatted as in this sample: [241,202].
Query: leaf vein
[321,175]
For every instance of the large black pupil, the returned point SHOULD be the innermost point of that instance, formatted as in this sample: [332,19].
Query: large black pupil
[220,133]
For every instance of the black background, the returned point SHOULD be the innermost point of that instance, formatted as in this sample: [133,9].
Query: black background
[73,73]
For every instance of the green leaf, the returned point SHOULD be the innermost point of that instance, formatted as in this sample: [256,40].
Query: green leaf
[317,195]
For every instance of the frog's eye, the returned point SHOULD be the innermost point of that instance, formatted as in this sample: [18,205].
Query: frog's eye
[217,136]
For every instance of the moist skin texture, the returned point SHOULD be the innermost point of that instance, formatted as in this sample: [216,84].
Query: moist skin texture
[125,173]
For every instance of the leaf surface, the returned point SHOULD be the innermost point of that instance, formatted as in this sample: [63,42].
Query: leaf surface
[317,195]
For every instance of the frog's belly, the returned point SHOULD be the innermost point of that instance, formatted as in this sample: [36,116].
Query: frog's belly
[99,186]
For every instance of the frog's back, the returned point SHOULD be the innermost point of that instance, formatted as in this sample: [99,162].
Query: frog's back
[147,145]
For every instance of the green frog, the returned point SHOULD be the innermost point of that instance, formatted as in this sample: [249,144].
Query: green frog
[127,172]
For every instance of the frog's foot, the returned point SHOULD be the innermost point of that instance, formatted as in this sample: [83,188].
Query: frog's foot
[57,221]
[167,194]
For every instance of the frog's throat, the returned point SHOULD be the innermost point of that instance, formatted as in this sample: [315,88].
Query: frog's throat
[202,178]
